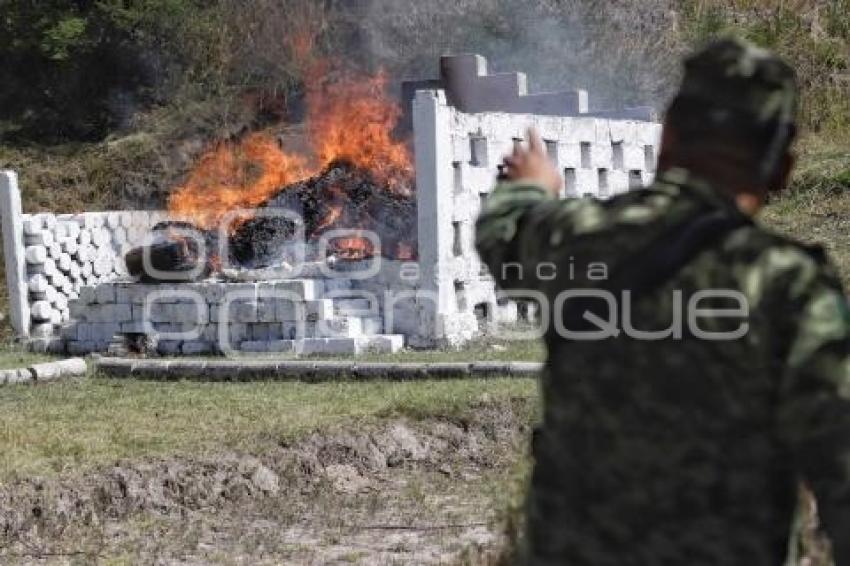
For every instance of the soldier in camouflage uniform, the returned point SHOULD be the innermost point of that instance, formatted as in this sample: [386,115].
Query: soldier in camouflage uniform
[679,447]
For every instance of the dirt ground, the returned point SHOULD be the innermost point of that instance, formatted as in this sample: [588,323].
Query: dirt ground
[405,491]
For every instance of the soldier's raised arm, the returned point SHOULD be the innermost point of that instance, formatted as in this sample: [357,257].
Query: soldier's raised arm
[523,215]
[814,404]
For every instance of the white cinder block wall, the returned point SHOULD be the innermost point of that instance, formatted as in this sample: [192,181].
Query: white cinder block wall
[66,252]
[457,155]
[51,257]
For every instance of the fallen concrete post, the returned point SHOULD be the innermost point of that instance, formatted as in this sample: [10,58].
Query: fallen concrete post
[47,371]
[303,370]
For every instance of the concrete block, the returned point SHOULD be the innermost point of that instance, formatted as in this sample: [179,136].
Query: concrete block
[306,289]
[210,333]
[192,314]
[309,346]
[88,295]
[42,238]
[108,313]
[60,301]
[80,347]
[234,333]
[76,309]
[133,327]
[95,219]
[37,283]
[212,292]
[372,325]
[254,346]
[241,311]
[36,255]
[270,346]
[104,332]
[382,344]
[41,311]
[238,291]
[321,309]
[113,220]
[31,225]
[196,347]
[49,267]
[136,235]
[68,331]
[57,279]
[35,297]
[357,307]
[280,346]
[168,347]
[290,330]
[72,230]
[259,332]
[102,266]
[286,310]
[101,237]
[337,284]
[41,330]
[266,310]
[119,236]
[64,262]
[340,327]
[104,294]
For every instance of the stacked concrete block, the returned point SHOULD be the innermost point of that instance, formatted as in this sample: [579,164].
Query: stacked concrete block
[55,255]
[457,155]
[299,316]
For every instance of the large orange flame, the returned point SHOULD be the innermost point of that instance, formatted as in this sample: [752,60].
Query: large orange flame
[353,120]
[233,176]
[347,120]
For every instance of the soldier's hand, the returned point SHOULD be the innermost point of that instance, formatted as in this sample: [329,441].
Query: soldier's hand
[532,165]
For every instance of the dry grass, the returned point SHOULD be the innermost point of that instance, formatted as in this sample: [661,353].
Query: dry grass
[817,207]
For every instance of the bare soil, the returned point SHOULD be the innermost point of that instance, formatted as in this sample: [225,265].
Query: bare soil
[400,491]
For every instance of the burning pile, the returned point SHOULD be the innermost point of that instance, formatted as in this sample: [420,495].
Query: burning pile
[355,176]
[342,196]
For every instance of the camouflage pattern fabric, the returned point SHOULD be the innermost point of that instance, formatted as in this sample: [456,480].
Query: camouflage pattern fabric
[679,451]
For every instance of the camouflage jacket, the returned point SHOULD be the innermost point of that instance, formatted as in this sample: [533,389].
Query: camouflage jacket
[677,448]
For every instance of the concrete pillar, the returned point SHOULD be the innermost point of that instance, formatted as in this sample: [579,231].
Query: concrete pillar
[13,253]
[434,178]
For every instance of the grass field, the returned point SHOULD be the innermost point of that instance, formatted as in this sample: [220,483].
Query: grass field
[77,424]
[816,209]
[12,357]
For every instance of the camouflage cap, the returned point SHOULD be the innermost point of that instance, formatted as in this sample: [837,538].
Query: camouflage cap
[736,75]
